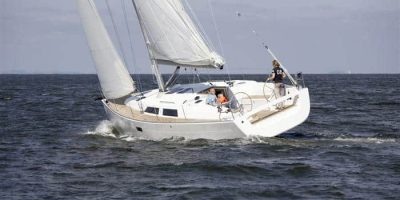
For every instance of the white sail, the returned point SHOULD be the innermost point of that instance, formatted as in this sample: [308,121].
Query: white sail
[114,77]
[172,36]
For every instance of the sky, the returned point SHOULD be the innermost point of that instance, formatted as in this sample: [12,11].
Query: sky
[311,36]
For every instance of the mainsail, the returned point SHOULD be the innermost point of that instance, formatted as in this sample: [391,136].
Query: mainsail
[114,77]
[172,36]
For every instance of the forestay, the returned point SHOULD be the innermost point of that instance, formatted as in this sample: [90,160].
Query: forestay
[114,77]
[172,36]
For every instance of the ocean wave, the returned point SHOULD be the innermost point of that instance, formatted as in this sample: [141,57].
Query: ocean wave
[365,140]
[385,103]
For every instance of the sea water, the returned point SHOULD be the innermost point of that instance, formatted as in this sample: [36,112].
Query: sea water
[56,143]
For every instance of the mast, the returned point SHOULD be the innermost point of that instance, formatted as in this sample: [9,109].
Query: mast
[154,64]
[156,71]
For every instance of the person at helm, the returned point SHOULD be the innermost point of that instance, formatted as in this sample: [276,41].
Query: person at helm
[277,75]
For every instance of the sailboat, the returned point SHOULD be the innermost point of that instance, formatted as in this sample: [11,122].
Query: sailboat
[173,39]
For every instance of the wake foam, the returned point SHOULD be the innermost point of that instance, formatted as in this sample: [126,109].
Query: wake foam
[104,128]
[366,140]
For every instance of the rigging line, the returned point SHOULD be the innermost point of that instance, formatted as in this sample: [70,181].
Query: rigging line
[216,27]
[194,73]
[203,34]
[154,78]
[197,74]
[208,75]
[253,30]
[123,5]
[187,75]
[154,64]
[116,31]
[193,77]
[218,35]
[199,28]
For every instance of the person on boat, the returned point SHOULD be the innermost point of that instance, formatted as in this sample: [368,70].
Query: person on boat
[277,76]
[221,98]
[211,98]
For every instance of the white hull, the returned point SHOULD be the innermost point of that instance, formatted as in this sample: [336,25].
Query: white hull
[240,127]
[157,131]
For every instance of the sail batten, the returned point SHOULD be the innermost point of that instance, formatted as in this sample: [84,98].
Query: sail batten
[172,36]
[113,75]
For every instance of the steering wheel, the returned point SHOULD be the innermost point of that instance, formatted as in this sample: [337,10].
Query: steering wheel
[243,102]
[272,94]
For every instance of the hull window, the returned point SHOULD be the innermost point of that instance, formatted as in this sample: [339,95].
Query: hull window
[152,110]
[170,112]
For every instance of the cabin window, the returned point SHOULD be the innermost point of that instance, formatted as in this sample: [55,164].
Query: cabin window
[174,90]
[152,110]
[170,112]
[186,90]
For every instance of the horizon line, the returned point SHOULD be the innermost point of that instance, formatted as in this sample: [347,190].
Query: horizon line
[200,74]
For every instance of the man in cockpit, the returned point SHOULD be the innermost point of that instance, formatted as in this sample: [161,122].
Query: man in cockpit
[211,97]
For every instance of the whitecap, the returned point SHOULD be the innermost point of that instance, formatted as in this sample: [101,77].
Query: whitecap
[366,140]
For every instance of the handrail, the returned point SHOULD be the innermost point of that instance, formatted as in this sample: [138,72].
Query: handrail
[229,110]
[183,110]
